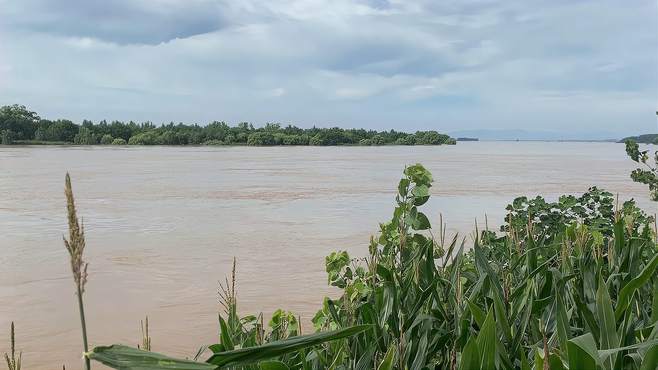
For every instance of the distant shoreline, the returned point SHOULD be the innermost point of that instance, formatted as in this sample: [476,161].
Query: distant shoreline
[242,145]
[22,126]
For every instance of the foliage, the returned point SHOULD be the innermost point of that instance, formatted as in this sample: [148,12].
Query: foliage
[562,295]
[647,175]
[595,209]
[17,123]
[128,358]
[85,137]
[6,137]
[119,141]
[18,120]
[106,139]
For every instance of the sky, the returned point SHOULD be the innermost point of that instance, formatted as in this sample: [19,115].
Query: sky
[587,68]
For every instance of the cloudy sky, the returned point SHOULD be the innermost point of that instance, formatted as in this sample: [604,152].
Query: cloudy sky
[557,65]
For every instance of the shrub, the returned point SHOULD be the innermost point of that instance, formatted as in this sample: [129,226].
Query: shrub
[145,138]
[85,137]
[261,139]
[377,140]
[7,137]
[107,139]
[214,142]
[119,141]
[406,140]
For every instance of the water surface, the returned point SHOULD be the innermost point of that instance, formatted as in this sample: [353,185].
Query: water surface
[163,224]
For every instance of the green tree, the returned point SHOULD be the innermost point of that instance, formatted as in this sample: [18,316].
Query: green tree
[19,120]
[431,138]
[85,137]
[7,137]
[62,130]
[647,175]
[146,138]
[261,138]
[378,140]
[107,139]
[119,141]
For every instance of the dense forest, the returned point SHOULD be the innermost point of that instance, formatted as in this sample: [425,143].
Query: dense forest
[19,125]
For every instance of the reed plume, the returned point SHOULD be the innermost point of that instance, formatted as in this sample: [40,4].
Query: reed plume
[13,362]
[75,245]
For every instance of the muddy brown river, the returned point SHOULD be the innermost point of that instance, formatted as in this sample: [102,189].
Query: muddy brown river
[163,224]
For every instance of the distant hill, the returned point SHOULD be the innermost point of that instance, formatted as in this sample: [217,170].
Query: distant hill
[645,139]
[530,135]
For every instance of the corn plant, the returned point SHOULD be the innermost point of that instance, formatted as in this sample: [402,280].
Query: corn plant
[524,300]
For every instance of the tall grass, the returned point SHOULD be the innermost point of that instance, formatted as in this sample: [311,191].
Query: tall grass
[146,338]
[13,362]
[75,245]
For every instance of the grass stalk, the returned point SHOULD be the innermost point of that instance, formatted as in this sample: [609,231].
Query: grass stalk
[13,363]
[146,338]
[75,245]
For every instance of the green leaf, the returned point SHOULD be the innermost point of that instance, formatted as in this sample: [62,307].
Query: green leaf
[525,365]
[582,352]
[278,348]
[421,191]
[272,365]
[477,312]
[650,360]
[470,359]
[389,359]
[629,289]
[417,220]
[605,353]
[606,316]
[403,187]
[501,315]
[654,304]
[127,358]
[563,329]
[224,335]
[486,341]
[422,222]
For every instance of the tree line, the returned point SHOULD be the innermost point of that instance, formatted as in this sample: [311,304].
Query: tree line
[19,125]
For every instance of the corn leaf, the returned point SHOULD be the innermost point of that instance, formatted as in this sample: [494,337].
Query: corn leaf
[278,348]
[128,358]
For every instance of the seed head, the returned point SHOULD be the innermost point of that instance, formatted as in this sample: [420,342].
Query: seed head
[75,245]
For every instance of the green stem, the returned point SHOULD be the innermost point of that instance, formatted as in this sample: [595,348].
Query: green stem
[84,328]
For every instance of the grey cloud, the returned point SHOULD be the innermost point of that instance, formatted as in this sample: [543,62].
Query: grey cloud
[121,21]
[404,64]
